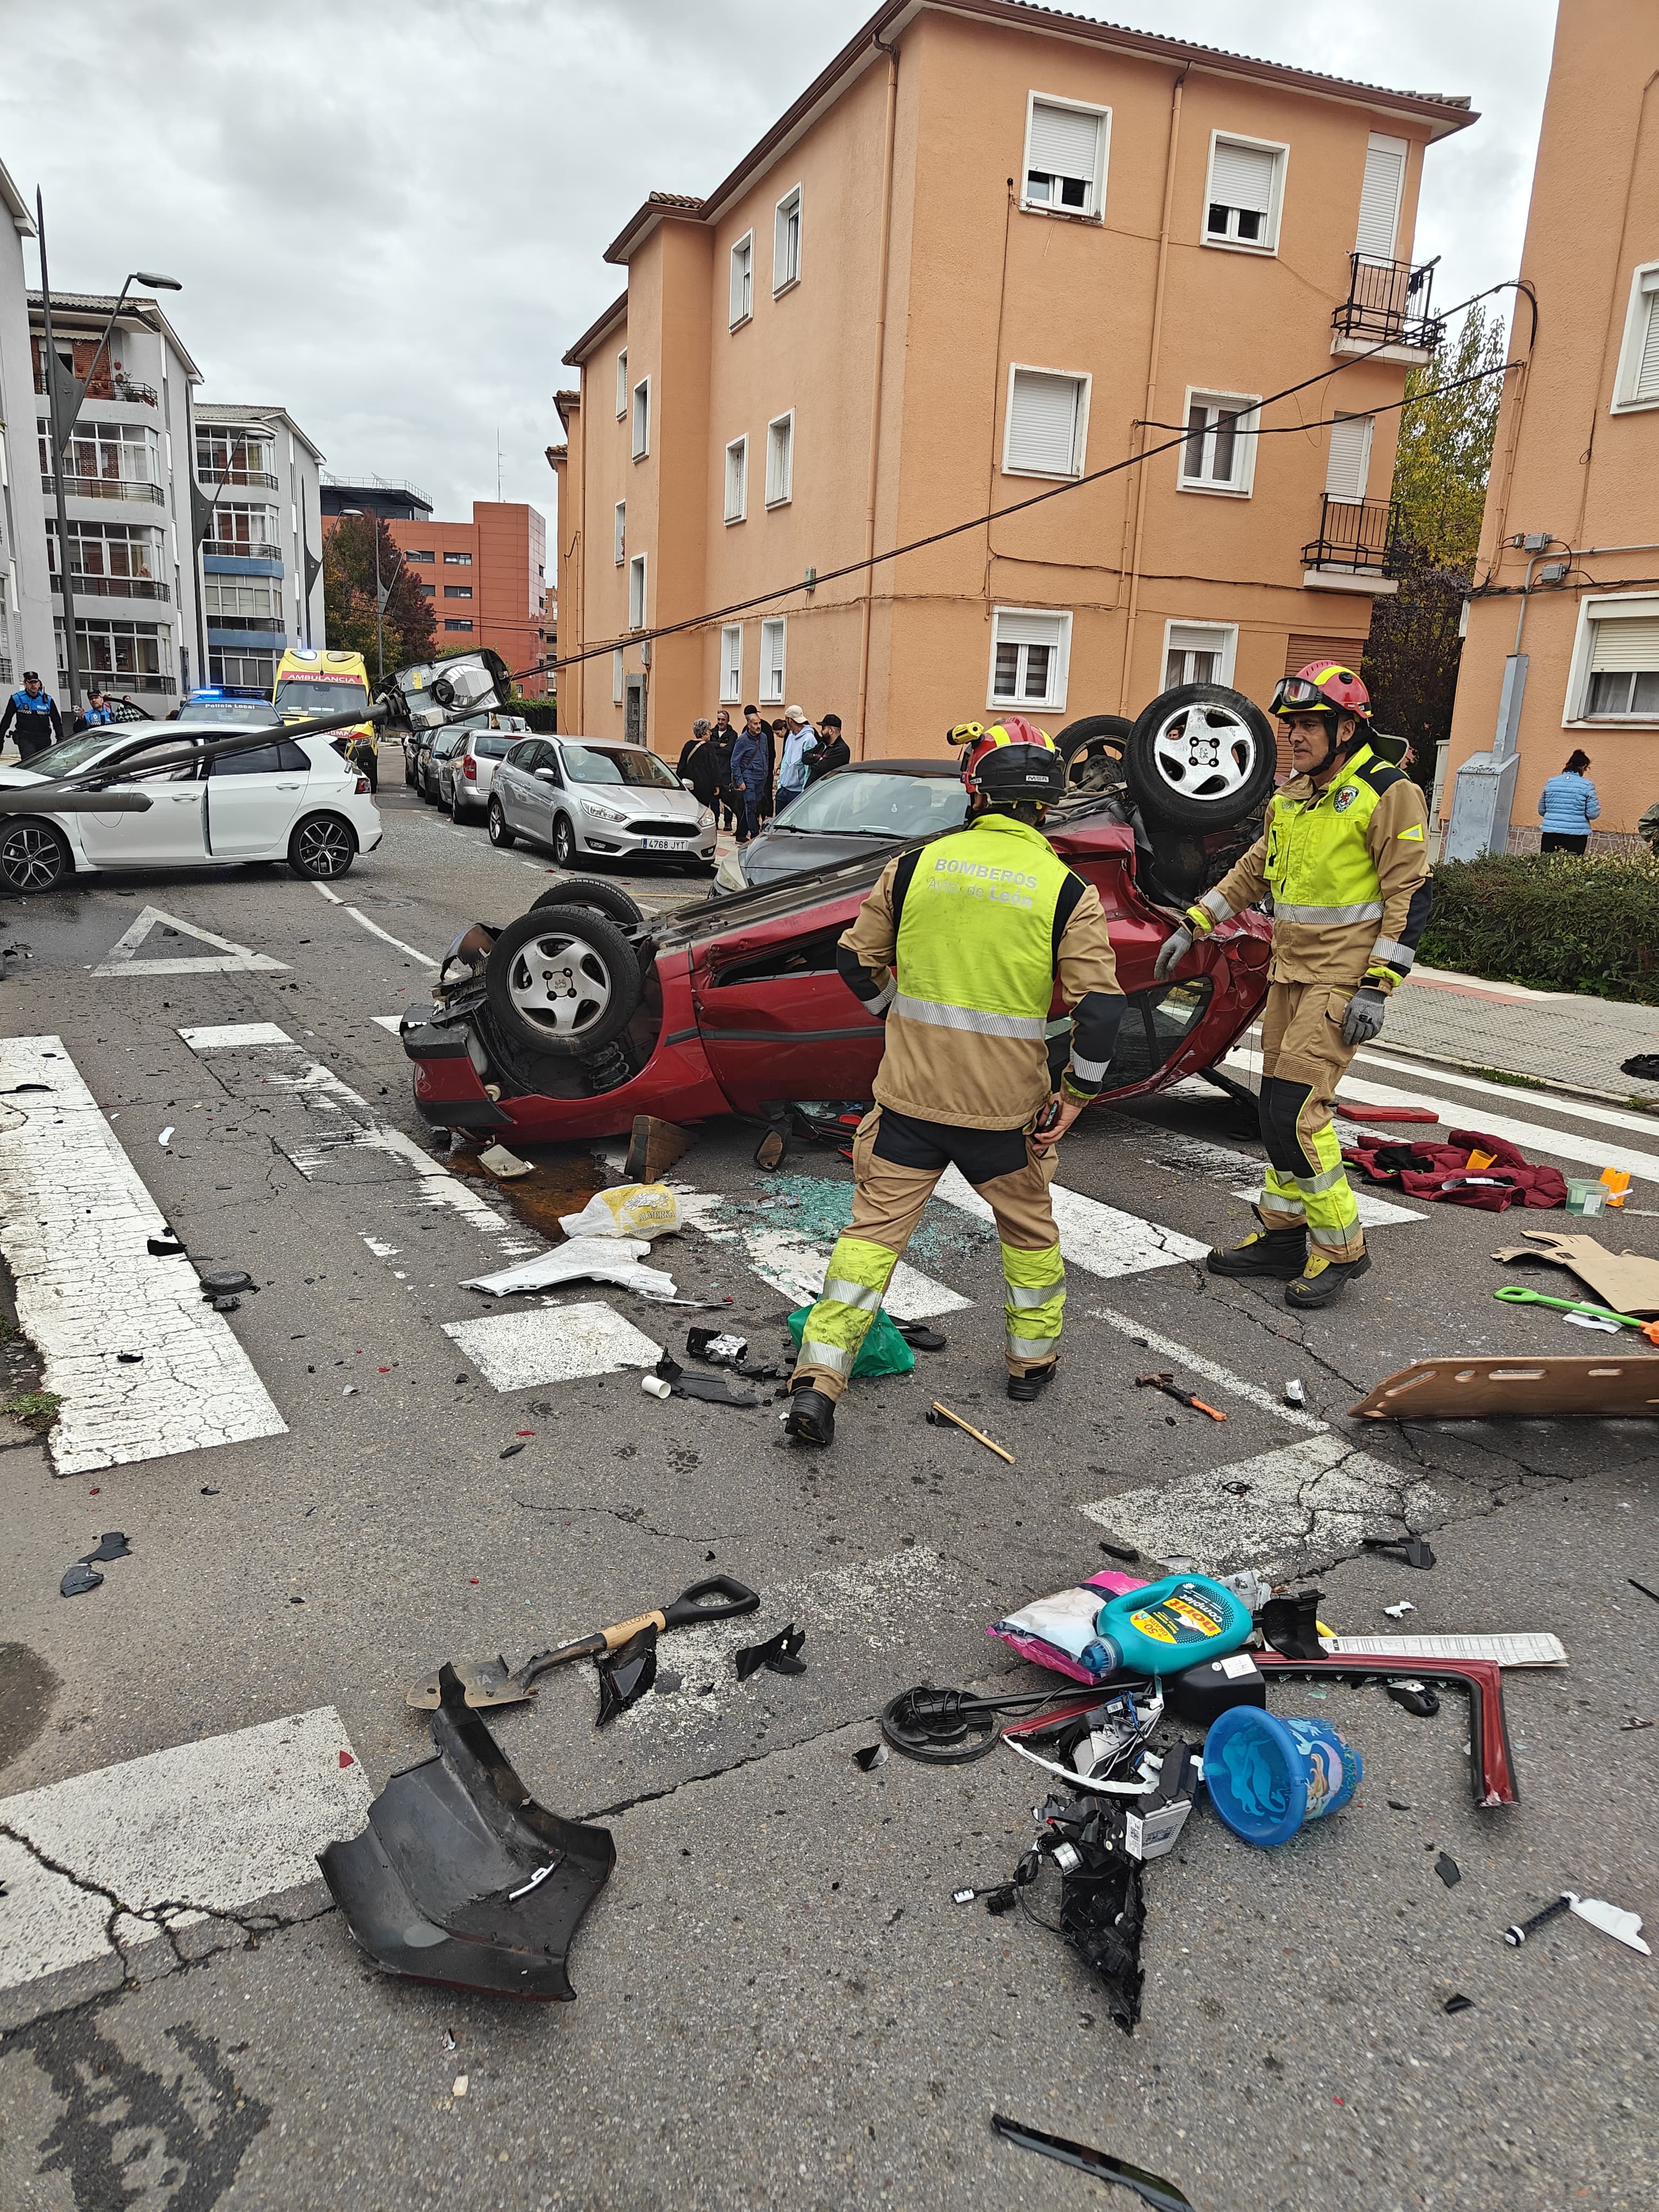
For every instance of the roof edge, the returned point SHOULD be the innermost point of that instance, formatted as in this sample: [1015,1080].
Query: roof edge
[596,331]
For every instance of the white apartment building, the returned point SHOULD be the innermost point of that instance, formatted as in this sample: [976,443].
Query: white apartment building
[259,499]
[25,591]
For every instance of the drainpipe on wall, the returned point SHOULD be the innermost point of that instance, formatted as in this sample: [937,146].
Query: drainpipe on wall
[891,53]
[1151,408]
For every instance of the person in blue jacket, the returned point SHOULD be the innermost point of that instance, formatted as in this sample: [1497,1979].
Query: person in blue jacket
[35,713]
[1566,807]
[751,766]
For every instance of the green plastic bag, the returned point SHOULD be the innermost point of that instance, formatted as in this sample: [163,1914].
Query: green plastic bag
[884,1351]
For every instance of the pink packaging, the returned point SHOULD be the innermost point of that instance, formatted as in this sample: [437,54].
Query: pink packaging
[1069,1613]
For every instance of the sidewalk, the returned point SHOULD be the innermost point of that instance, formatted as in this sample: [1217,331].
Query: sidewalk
[1555,1037]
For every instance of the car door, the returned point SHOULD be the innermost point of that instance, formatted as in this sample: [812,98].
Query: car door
[171,832]
[780,1023]
[533,815]
[252,799]
[510,786]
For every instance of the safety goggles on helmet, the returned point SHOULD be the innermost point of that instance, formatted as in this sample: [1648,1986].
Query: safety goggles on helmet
[1323,688]
[1012,760]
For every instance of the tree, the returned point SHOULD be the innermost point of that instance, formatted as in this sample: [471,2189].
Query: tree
[1440,475]
[349,596]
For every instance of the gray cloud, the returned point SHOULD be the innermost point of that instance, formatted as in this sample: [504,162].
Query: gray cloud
[388,215]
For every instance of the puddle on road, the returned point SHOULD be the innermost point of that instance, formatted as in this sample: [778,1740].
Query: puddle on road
[566,1176]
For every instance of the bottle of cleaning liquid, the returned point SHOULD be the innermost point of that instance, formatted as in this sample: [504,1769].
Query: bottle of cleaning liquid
[1168,1626]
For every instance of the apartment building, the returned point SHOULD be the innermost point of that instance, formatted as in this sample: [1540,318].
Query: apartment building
[993,249]
[128,491]
[26,639]
[487,580]
[259,500]
[1562,650]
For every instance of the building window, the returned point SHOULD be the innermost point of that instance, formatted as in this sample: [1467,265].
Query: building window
[243,603]
[1350,463]
[617,677]
[1245,190]
[123,553]
[1198,652]
[737,480]
[1048,426]
[1623,668]
[1029,649]
[1637,381]
[1379,196]
[641,418]
[619,534]
[731,663]
[1065,157]
[458,560]
[450,623]
[786,242]
[255,672]
[235,457]
[458,591]
[621,384]
[1219,451]
[775,637]
[427,591]
[109,453]
[249,532]
[743,280]
[637,593]
[411,555]
[142,653]
[780,460]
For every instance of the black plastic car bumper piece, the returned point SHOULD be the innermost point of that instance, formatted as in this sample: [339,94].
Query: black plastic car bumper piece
[460,1877]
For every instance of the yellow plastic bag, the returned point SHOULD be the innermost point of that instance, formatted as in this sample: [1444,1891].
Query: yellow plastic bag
[632,1209]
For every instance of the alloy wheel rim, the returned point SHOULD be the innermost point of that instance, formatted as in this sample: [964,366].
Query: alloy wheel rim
[31,858]
[1204,752]
[325,847]
[560,983]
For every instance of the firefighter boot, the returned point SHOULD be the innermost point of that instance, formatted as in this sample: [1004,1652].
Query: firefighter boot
[1279,1253]
[812,1418]
[1323,1281]
[1023,1388]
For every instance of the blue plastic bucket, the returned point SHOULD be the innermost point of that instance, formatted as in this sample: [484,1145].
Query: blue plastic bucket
[1266,1776]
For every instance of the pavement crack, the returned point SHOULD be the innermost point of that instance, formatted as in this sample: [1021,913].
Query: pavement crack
[634,1517]
[732,1766]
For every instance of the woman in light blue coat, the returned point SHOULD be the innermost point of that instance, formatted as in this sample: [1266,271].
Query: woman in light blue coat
[1566,807]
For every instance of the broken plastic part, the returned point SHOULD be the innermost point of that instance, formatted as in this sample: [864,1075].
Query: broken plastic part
[505,1166]
[428,1889]
[626,1674]
[1416,1698]
[941,1727]
[1459,2003]
[1125,1552]
[1294,1393]
[1448,1870]
[872,1755]
[78,1580]
[1492,1763]
[1290,1625]
[225,1282]
[1411,1548]
[166,1247]
[112,1545]
[1612,1919]
[779,1655]
[709,1388]
[920,1337]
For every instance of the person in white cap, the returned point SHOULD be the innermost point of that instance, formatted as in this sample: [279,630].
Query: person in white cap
[798,747]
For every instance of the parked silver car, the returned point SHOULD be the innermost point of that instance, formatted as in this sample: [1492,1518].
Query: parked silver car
[592,798]
[465,776]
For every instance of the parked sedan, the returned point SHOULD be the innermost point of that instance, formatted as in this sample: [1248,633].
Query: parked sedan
[294,799]
[851,812]
[432,758]
[591,798]
[466,777]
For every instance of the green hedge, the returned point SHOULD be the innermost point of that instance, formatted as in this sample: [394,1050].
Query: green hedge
[1555,921]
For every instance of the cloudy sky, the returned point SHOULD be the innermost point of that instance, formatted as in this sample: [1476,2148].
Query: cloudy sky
[388,215]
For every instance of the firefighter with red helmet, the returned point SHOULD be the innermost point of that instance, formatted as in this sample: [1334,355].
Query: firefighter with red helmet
[958,949]
[1344,859]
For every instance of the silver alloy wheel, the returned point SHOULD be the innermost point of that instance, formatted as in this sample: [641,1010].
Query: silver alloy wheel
[325,846]
[559,983]
[1204,752]
[31,857]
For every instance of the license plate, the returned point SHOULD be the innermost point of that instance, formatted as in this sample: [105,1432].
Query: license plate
[665,844]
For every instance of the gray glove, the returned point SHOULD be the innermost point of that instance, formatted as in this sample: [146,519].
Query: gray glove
[1173,951]
[1363,1019]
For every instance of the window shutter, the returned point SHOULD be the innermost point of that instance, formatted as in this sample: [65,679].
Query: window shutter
[1350,460]
[1064,142]
[1242,176]
[1042,433]
[1031,629]
[1197,637]
[1625,643]
[1647,368]
[1379,198]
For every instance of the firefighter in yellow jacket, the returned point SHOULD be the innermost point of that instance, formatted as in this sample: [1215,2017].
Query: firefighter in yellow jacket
[958,949]
[1344,859]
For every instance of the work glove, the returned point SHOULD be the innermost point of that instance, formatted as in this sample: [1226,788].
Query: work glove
[1173,949]
[1364,1019]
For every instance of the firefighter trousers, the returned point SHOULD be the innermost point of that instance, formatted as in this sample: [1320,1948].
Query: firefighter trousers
[897,1161]
[1303,1061]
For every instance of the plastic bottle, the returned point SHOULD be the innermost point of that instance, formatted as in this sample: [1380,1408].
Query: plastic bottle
[1168,1626]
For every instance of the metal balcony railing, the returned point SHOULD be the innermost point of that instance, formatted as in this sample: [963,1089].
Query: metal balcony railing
[107,488]
[231,548]
[1388,304]
[129,387]
[114,587]
[217,620]
[207,473]
[117,680]
[1355,533]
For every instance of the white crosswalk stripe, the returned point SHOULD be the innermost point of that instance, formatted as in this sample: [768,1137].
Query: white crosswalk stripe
[1100,1239]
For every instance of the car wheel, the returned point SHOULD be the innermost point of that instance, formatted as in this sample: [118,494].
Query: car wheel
[500,834]
[1092,749]
[564,983]
[609,899]
[456,811]
[34,856]
[564,841]
[1201,756]
[323,846]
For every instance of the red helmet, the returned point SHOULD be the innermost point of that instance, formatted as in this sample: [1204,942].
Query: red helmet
[1009,760]
[1323,686]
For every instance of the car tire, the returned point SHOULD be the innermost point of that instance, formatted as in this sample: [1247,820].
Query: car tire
[456,811]
[500,835]
[34,856]
[608,899]
[1092,748]
[564,841]
[565,983]
[1201,756]
[322,847]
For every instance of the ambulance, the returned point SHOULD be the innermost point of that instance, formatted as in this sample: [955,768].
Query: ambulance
[313,680]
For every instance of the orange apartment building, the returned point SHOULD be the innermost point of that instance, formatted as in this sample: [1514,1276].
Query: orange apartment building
[486,579]
[993,249]
[1562,650]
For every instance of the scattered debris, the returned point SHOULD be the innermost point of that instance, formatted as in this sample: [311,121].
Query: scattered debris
[1525,1648]
[1625,1280]
[1125,1552]
[511,1452]
[948,1728]
[164,1246]
[1470,1169]
[1290,1625]
[873,1754]
[226,1283]
[449,1881]
[779,1655]
[1411,1548]
[653,1146]
[165,1137]
[1459,2003]
[1634,1721]
[1151,2187]
[81,1577]
[505,1166]
[1472,1387]
[1167,1384]
[458,2087]
[1448,1870]
[920,1337]
[1612,1919]
[626,1672]
[630,1211]
[938,1416]
[1294,1393]
[720,1348]
[1398,1612]
[1267,1775]
[770,1153]
[1492,1763]
[1416,1698]
[610,1259]
[130,1358]
[1575,1310]
[654,1386]
[709,1388]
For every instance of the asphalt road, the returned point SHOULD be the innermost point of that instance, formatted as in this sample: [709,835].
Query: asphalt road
[777,2000]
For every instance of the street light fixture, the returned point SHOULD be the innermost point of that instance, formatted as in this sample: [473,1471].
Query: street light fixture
[63,402]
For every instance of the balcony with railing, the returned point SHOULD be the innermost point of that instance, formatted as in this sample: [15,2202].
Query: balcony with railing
[1356,537]
[216,473]
[241,548]
[112,587]
[129,388]
[130,488]
[1388,303]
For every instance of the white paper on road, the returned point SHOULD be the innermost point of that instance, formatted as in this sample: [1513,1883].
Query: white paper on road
[210,1827]
[74,1218]
[583,1259]
[120,960]
[552,1344]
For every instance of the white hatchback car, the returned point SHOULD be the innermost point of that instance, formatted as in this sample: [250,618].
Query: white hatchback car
[293,799]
